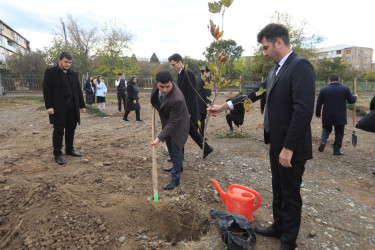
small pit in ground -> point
(180, 222)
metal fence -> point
(17, 83)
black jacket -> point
(204, 93)
(188, 90)
(121, 87)
(333, 98)
(290, 102)
(132, 94)
(53, 91)
(372, 103)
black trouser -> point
(65, 120)
(233, 118)
(339, 136)
(203, 124)
(287, 201)
(121, 98)
(196, 136)
(137, 114)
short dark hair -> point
(65, 55)
(273, 31)
(164, 76)
(120, 74)
(334, 77)
(175, 57)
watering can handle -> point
(256, 206)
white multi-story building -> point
(359, 58)
(11, 43)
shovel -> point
(154, 163)
(354, 137)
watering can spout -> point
(222, 194)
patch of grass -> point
(358, 110)
(32, 99)
(95, 111)
(233, 134)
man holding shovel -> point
(169, 101)
(333, 98)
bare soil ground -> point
(100, 201)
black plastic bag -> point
(235, 230)
(367, 123)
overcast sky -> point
(169, 26)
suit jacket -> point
(174, 115)
(290, 105)
(204, 93)
(122, 86)
(333, 98)
(53, 91)
(189, 93)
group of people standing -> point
(127, 94)
(289, 107)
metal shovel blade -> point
(354, 139)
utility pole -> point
(63, 26)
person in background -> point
(101, 91)
(64, 101)
(204, 93)
(186, 83)
(90, 90)
(169, 101)
(290, 98)
(236, 116)
(120, 83)
(333, 98)
(132, 100)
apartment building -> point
(359, 58)
(11, 43)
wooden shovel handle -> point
(154, 163)
(354, 108)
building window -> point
(357, 66)
(364, 66)
(359, 52)
(366, 51)
(338, 52)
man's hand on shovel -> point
(155, 142)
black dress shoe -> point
(208, 151)
(338, 153)
(268, 232)
(172, 185)
(170, 169)
(73, 153)
(59, 160)
(321, 147)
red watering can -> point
(239, 199)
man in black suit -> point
(290, 99)
(333, 98)
(63, 100)
(168, 100)
(203, 103)
(186, 83)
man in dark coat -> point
(333, 98)
(186, 83)
(168, 100)
(121, 90)
(290, 100)
(63, 100)
(203, 102)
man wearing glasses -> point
(187, 84)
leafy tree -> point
(154, 59)
(34, 62)
(299, 41)
(326, 66)
(370, 75)
(227, 47)
(194, 64)
(115, 39)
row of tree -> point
(103, 53)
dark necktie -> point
(269, 84)
(161, 99)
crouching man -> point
(169, 101)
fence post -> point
(366, 87)
(1, 87)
